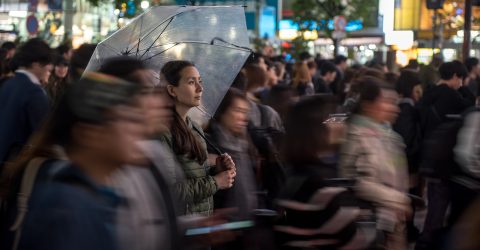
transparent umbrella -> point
(215, 38)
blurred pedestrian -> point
(472, 81)
(328, 72)
(11, 48)
(23, 103)
(66, 51)
(302, 79)
(79, 61)
(308, 205)
(70, 204)
(57, 83)
(373, 156)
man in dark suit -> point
(328, 72)
(23, 102)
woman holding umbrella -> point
(186, 139)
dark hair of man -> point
(327, 67)
(183, 140)
(340, 59)
(79, 60)
(311, 65)
(454, 68)
(64, 48)
(470, 63)
(306, 132)
(304, 56)
(406, 82)
(9, 46)
(254, 58)
(33, 51)
(122, 67)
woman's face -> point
(61, 71)
(189, 90)
(235, 119)
(384, 108)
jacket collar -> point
(30, 76)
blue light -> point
(352, 25)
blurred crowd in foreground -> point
(316, 154)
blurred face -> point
(330, 76)
(384, 109)
(456, 82)
(10, 54)
(417, 93)
(42, 72)
(477, 70)
(188, 93)
(235, 118)
(262, 64)
(121, 134)
(343, 66)
(156, 106)
(272, 77)
(61, 71)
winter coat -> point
(374, 156)
(198, 188)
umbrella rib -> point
(161, 52)
(138, 44)
(158, 37)
(197, 42)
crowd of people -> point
(312, 154)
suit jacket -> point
(23, 107)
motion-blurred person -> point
(23, 103)
(280, 98)
(429, 74)
(472, 81)
(338, 85)
(57, 83)
(413, 65)
(228, 130)
(328, 72)
(5, 73)
(68, 204)
(302, 79)
(186, 140)
(79, 61)
(407, 125)
(11, 48)
(257, 59)
(373, 156)
(313, 214)
(260, 115)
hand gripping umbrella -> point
(214, 38)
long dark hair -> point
(183, 140)
(306, 132)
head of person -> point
(184, 86)
(305, 56)
(257, 59)
(453, 73)
(10, 47)
(409, 85)
(66, 51)
(280, 69)
(79, 60)
(38, 63)
(308, 136)
(341, 62)
(377, 100)
(312, 68)
(413, 65)
(60, 68)
(473, 66)
(373, 72)
(301, 74)
(232, 113)
(257, 77)
(280, 98)
(328, 71)
(153, 100)
(272, 74)
(97, 119)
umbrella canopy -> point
(214, 38)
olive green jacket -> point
(198, 188)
